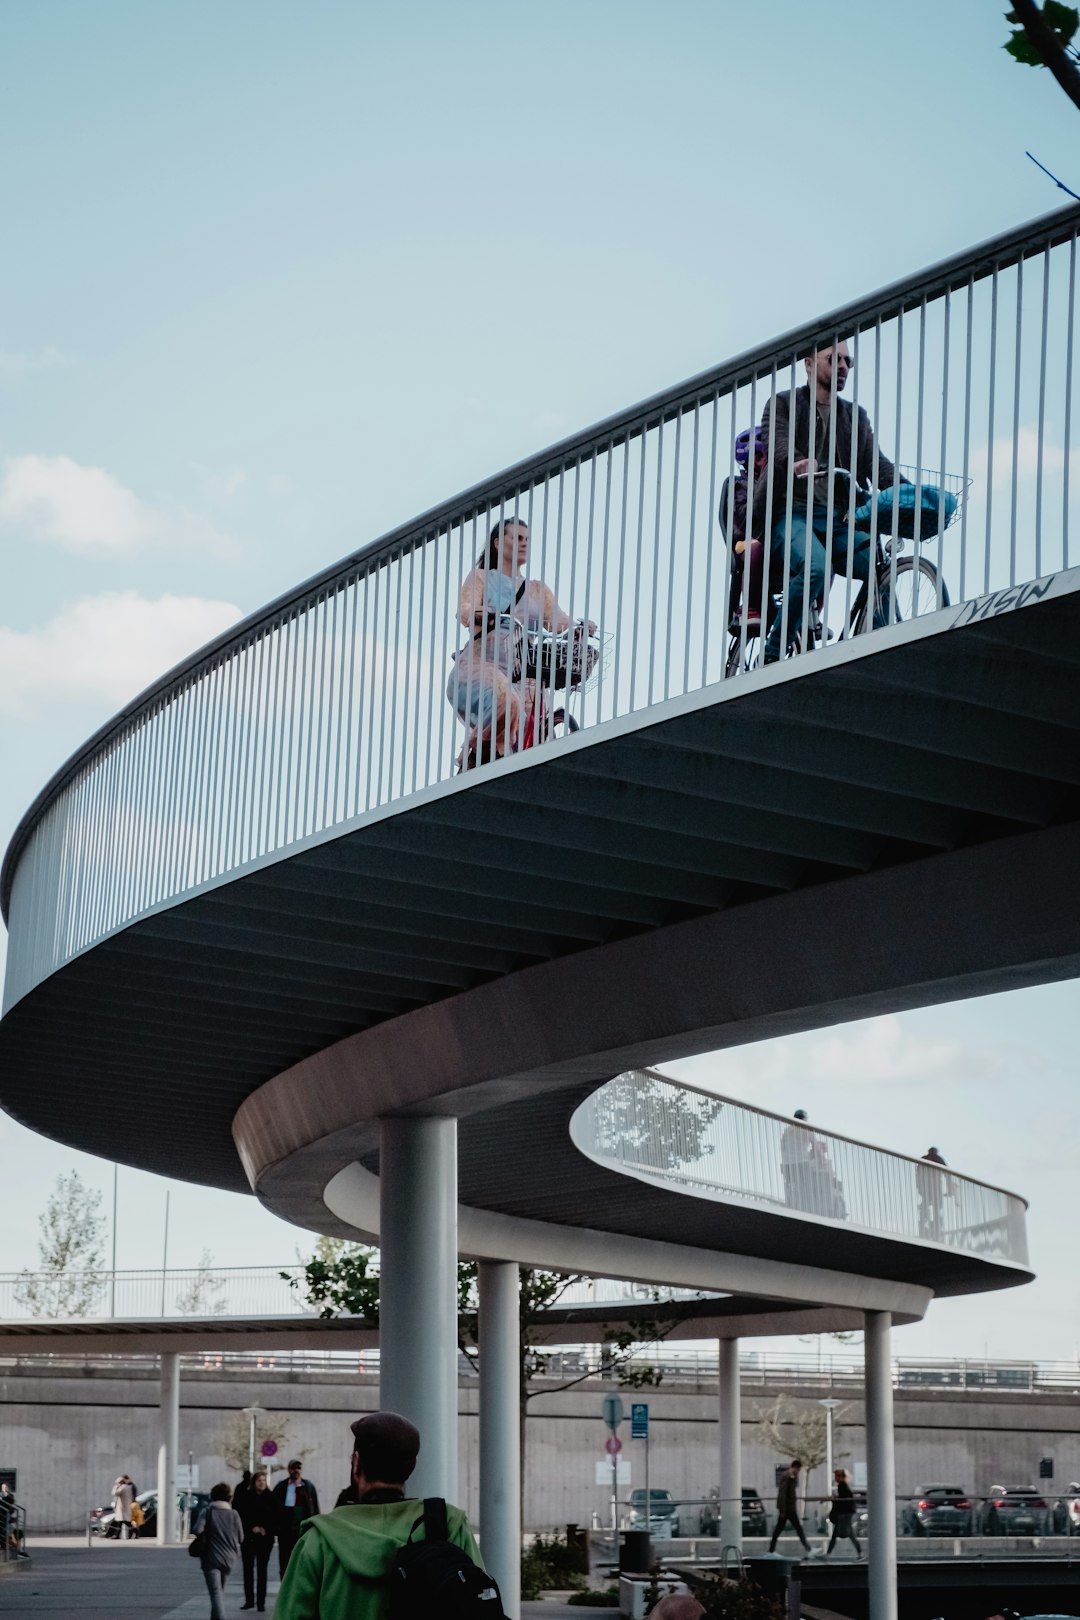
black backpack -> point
(434, 1580)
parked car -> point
(661, 1518)
(109, 1526)
(1014, 1511)
(937, 1510)
(97, 1515)
(1067, 1511)
(754, 1522)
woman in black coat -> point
(258, 1510)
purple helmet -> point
(742, 445)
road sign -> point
(187, 1476)
(613, 1446)
(268, 1448)
(639, 1420)
(622, 1471)
(612, 1409)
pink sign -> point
(269, 1448)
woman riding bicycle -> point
(486, 687)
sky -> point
(278, 278)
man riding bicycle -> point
(822, 419)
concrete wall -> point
(69, 1432)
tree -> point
(796, 1431)
(643, 1119)
(342, 1279)
(70, 1253)
(202, 1296)
(1043, 37)
(233, 1441)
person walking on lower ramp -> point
(787, 1506)
(388, 1553)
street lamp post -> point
(830, 1406)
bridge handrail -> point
(660, 1130)
(973, 264)
(91, 861)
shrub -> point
(551, 1563)
(594, 1599)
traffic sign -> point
(268, 1448)
(639, 1420)
(613, 1445)
(612, 1409)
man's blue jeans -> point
(809, 567)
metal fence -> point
(331, 704)
(646, 1125)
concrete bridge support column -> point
(418, 1303)
(500, 1428)
(168, 1450)
(730, 1414)
(880, 1467)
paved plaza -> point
(136, 1580)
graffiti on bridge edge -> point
(1004, 601)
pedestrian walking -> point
(258, 1512)
(222, 1532)
(842, 1514)
(123, 1496)
(787, 1505)
(295, 1500)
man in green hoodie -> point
(339, 1568)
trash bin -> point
(772, 1572)
(635, 1552)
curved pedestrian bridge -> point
(264, 898)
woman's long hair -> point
(489, 557)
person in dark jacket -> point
(258, 1511)
(295, 1499)
(787, 1506)
(219, 1524)
(842, 1514)
(825, 434)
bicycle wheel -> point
(917, 591)
(751, 652)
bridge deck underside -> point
(850, 765)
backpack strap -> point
(436, 1525)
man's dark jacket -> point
(787, 1496)
(307, 1504)
(793, 449)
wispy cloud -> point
(86, 509)
(103, 649)
(45, 359)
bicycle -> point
(909, 586)
(567, 660)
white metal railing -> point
(330, 704)
(208, 1291)
(197, 1291)
(646, 1125)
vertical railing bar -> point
(449, 616)
(408, 662)
(191, 837)
(919, 419)
(671, 553)
(428, 643)
(875, 474)
(352, 708)
(372, 640)
(655, 583)
(894, 546)
(206, 808)
(609, 463)
(990, 428)
(637, 572)
(766, 559)
(710, 543)
(725, 588)
(830, 498)
(789, 518)
(276, 753)
(1068, 403)
(453, 608)
(1042, 412)
(228, 773)
(314, 617)
(1017, 362)
(292, 667)
(476, 670)
(689, 624)
(967, 437)
(586, 597)
(303, 731)
(945, 380)
(144, 873)
(557, 577)
(744, 606)
(619, 638)
(165, 798)
(324, 718)
(254, 710)
(343, 727)
(853, 479)
(398, 564)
